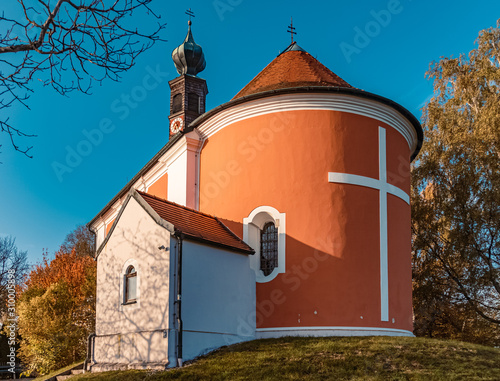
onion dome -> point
(188, 57)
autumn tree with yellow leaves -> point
(456, 199)
(57, 307)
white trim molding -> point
(187, 149)
(384, 189)
(264, 333)
(319, 101)
(252, 225)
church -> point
(283, 212)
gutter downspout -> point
(95, 238)
(90, 352)
(178, 301)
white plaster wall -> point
(177, 179)
(133, 333)
(218, 298)
(99, 236)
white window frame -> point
(252, 226)
(137, 304)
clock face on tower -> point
(176, 125)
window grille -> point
(268, 248)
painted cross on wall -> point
(384, 189)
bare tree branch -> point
(69, 45)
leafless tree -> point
(68, 45)
(13, 267)
(81, 240)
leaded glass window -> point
(268, 248)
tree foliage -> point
(57, 310)
(68, 44)
(456, 198)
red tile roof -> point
(294, 68)
(196, 225)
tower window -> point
(268, 248)
(130, 285)
(177, 103)
(193, 102)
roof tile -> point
(292, 68)
(196, 225)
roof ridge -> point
(174, 203)
(214, 230)
(231, 232)
(323, 68)
(255, 78)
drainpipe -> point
(90, 345)
(95, 239)
(178, 301)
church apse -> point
(283, 160)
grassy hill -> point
(354, 358)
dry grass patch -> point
(353, 358)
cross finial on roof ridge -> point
(291, 29)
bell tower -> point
(187, 92)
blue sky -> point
(239, 38)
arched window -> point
(268, 248)
(177, 103)
(265, 231)
(130, 285)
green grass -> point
(355, 358)
(56, 372)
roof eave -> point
(321, 89)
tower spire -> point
(187, 92)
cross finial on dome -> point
(291, 29)
(190, 13)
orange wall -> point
(108, 226)
(160, 187)
(332, 247)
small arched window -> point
(177, 103)
(268, 248)
(130, 285)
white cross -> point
(384, 188)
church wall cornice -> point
(314, 98)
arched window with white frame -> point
(264, 231)
(130, 295)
